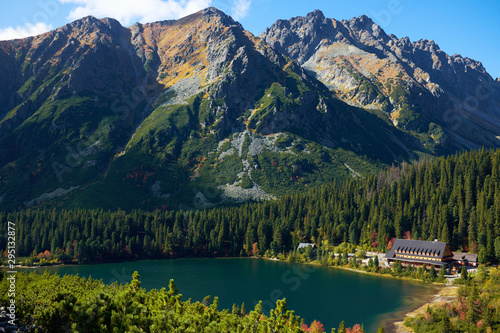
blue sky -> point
(465, 27)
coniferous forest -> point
(454, 199)
(112, 130)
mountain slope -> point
(235, 121)
(188, 113)
(448, 102)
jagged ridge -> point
(189, 113)
(417, 86)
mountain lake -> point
(315, 293)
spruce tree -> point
(463, 274)
(432, 273)
(497, 248)
(441, 277)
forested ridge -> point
(454, 199)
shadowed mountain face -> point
(449, 102)
(197, 112)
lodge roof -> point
(304, 245)
(419, 251)
(470, 257)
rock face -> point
(195, 112)
(445, 99)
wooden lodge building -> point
(421, 253)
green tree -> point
(308, 252)
(463, 274)
(345, 258)
(446, 325)
(432, 273)
(341, 327)
(445, 233)
(497, 248)
(376, 264)
(275, 248)
(441, 273)
(206, 300)
(397, 268)
(135, 284)
(473, 306)
(243, 309)
(480, 276)
(483, 256)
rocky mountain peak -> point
(213, 11)
(315, 15)
(364, 66)
(214, 14)
(211, 16)
(361, 22)
(427, 45)
(90, 24)
(367, 31)
(199, 102)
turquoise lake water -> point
(314, 292)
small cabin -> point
(304, 245)
(465, 259)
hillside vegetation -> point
(50, 303)
(453, 199)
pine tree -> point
(432, 273)
(445, 234)
(497, 248)
(463, 274)
(243, 310)
(235, 310)
(441, 277)
(397, 268)
(341, 327)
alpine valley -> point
(198, 112)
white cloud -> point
(128, 12)
(240, 9)
(24, 31)
(131, 11)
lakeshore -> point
(392, 322)
(395, 322)
(239, 280)
(447, 294)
